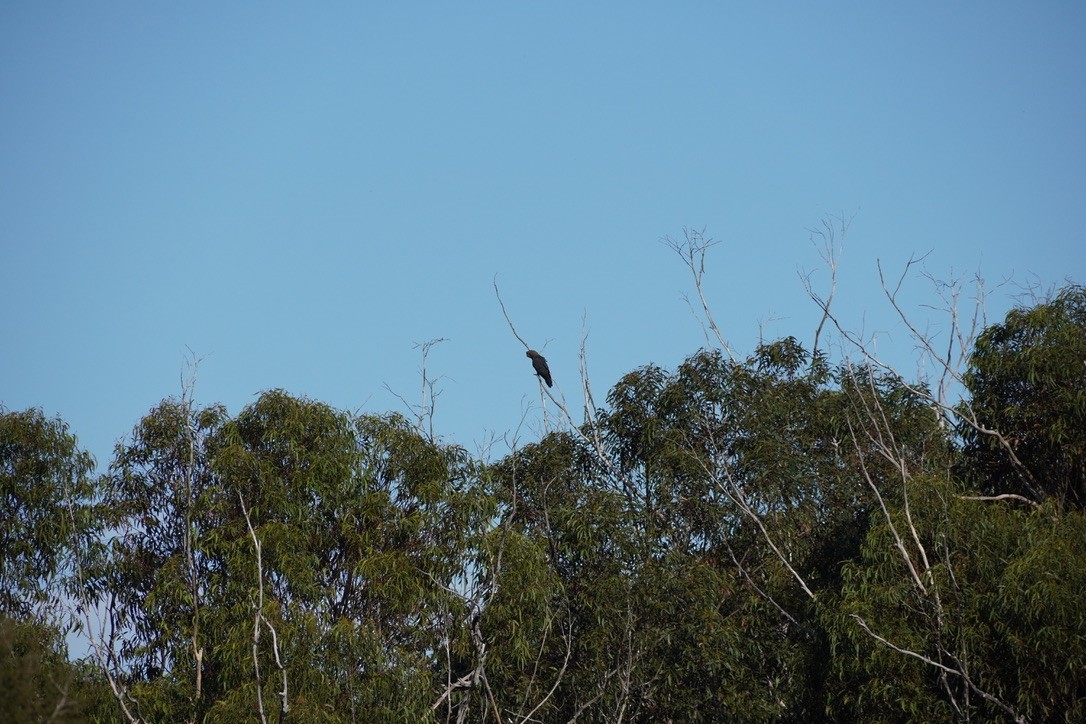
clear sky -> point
(299, 193)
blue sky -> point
(300, 193)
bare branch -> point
(258, 619)
(735, 493)
(188, 386)
(898, 542)
(557, 679)
(512, 327)
(258, 606)
(692, 250)
(830, 252)
(963, 412)
(942, 667)
(283, 704)
(1004, 496)
(423, 412)
(757, 589)
(592, 438)
(950, 364)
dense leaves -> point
(1028, 383)
(38, 682)
(772, 538)
(360, 523)
(46, 510)
(1005, 598)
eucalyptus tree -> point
(1027, 392)
(363, 523)
(681, 547)
(49, 527)
(294, 560)
(48, 513)
(153, 586)
(966, 602)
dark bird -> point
(540, 366)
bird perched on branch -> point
(540, 366)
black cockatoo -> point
(540, 366)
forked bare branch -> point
(260, 619)
(950, 364)
(423, 412)
(830, 247)
(692, 250)
(960, 672)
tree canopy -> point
(772, 537)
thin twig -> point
(693, 250)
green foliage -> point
(645, 547)
(37, 681)
(362, 526)
(762, 539)
(1037, 630)
(1004, 597)
(158, 496)
(1027, 380)
(46, 511)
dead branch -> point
(1003, 496)
(830, 252)
(258, 606)
(592, 437)
(944, 668)
(568, 636)
(899, 543)
(693, 250)
(423, 412)
(188, 386)
(260, 619)
(950, 364)
(732, 489)
(505, 314)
